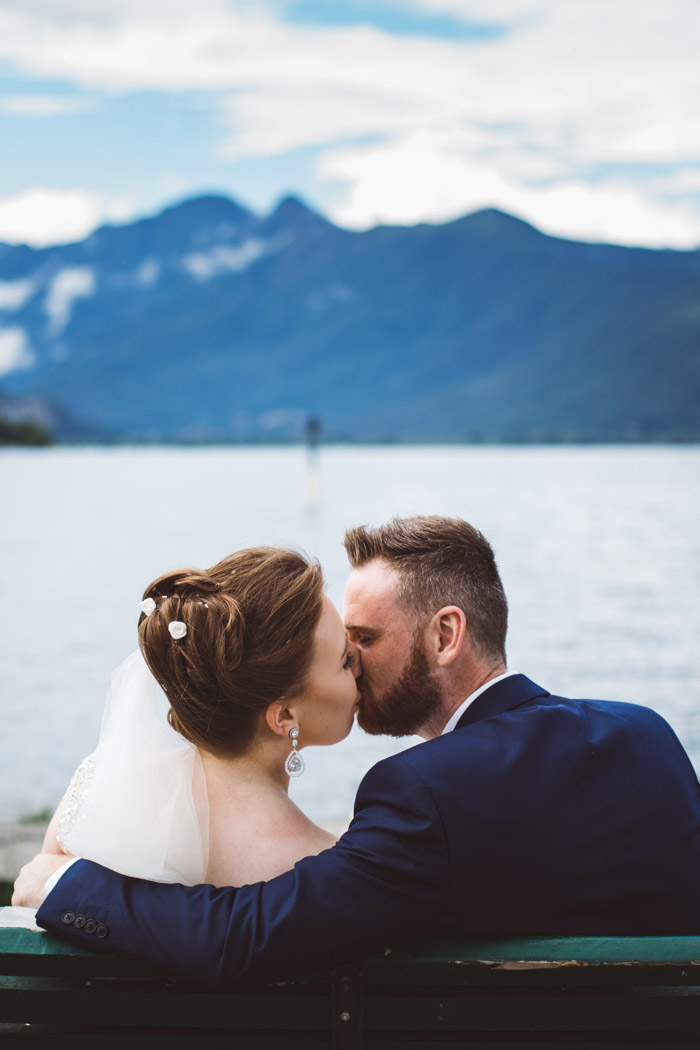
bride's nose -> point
(357, 663)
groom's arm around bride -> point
(522, 812)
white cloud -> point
(267, 121)
(145, 45)
(582, 59)
(392, 183)
(44, 106)
(614, 211)
(108, 12)
(15, 351)
(65, 288)
(471, 11)
(686, 180)
(41, 216)
(14, 294)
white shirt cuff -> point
(52, 881)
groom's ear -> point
(279, 718)
(446, 634)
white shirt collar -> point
(454, 718)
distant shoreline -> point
(534, 442)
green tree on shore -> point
(23, 432)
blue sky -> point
(577, 115)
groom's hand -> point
(29, 887)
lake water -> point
(599, 550)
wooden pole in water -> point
(312, 485)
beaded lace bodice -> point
(74, 798)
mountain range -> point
(210, 323)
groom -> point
(521, 813)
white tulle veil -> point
(139, 804)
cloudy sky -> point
(580, 116)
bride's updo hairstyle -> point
(250, 623)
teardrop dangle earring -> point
(295, 765)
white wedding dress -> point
(138, 804)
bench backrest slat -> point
(575, 992)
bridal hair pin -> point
(147, 606)
(177, 629)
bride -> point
(239, 667)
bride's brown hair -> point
(250, 623)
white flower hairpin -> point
(177, 629)
(147, 606)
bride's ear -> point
(279, 717)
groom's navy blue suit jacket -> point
(537, 815)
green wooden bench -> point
(550, 993)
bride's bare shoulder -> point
(259, 846)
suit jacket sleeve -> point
(385, 880)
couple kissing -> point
(521, 812)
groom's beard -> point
(407, 705)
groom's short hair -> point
(440, 561)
